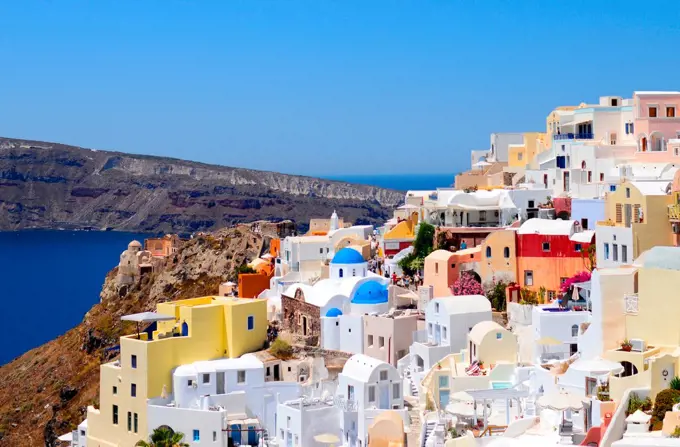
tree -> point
(245, 268)
(577, 278)
(422, 246)
(467, 285)
(163, 436)
(495, 292)
(281, 349)
(590, 257)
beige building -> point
(491, 343)
(498, 259)
(388, 337)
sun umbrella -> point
(462, 396)
(327, 438)
(560, 402)
(597, 366)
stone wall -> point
(293, 310)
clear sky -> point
(319, 86)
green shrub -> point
(453, 433)
(281, 349)
(676, 432)
(636, 403)
(675, 383)
(664, 402)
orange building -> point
(250, 285)
(549, 252)
(275, 247)
(162, 246)
(442, 268)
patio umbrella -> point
(561, 401)
(462, 396)
(327, 438)
(597, 366)
(466, 410)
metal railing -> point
(345, 404)
(574, 136)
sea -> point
(50, 279)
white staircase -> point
(411, 381)
(264, 439)
(429, 428)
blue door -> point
(443, 398)
(236, 434)
(185, 329)
(252, 436)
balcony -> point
(674, 212)
(574, 136)
(420, 336)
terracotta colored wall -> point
(439, 274)
(549, 270)
(275, 247)
(562, 204)
(250, 285)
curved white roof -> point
(547, 227)
(326, 289)
(361, 367)
(290, 291)
(653, 188)
(482, 328)
(464, 304)
(497, 198)
(247, 361)
(666, 258)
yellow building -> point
(401, 236)
(651, 324)
(498, 257)
(636, 219)
(187, 331)
(490, 343)
(521, 155)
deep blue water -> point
(49, 280)
(400, 182)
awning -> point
(597, 366)
(560, 402)
(147, 317)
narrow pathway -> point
(413, 437)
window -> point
(532, 203)
(444, 332)
(632, 127)
(133, 361)
(251, 322)
(370, 341)
(602, 176)
(383, 375)
(436, 308)
(396, 390)
(354, 272)
(214, 436)
(551, 294)
(627, 128)
(591, 386)
(133, 389)
(584, 223)
(619, 213)
(624, 253)
(670, 112)
(381, 342)
(519, 156)
(546, 246)
(488, 252)
(206, 378)
(136, 426)
(321, 250)
(129, 419)
(615, 102)
(499, 335)
(652, 111)
(443, 381)
(528, 277)
(340, 273)
(241, 377)
(197, 435)
(482, 215)
(627, 193)
(371, 394)
(606, 250)
(590, 176)
(190, 383)
(506, 252)
(453, 266)
(612, 188)
(436, 268)
(615, 252)
(429, 328)
(578, 248)
(115, 415)
(115, 390)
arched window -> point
(574, 330)
(506, 252)
(340, 273)
(583, 164)
(354, 272)
(628, 369)
(488, 252)
(185, 329)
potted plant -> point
(626, 345)
(439, 366)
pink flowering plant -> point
(466, 284)
(577, 278)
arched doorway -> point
(643, 144)
(185, 329)
(656, 142)
(628, 369)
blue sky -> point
(319, 87)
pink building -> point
(388, 337)
(442, 268)
(657, 120)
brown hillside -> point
(46, 391)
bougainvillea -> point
(579, 277)
(466, 284)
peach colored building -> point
(388, 337)
(657, 119)
(162, 246)
(442, 268)
(498, 261)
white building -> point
(298, 421)
(448, 321)
(562, 325)
(215, 400)
(499, 144)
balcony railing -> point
(674, 212)
(574, 136)
(606, 223)
(345, 404)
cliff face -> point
(45, 392)
(49, 185)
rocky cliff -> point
(49, 185)
(45, 392)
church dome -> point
(135, 244)
(347, 256)
(333, 312)
(370, 292)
